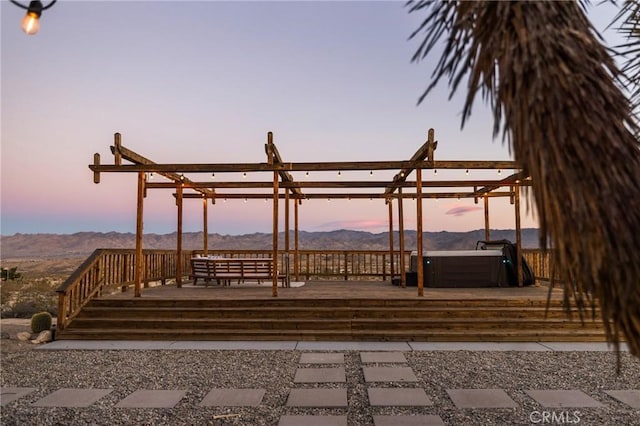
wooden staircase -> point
(330, 319)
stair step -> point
(259, 334)
(321, 312)
(330, 319)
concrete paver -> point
(353, 346)
(8, 394)
(328, 346)
(398, 397)
(389, 374)
(583, 346)
(481, 398)
(230, 397)
(478, 346)
(420, 420)
(382, 357)
(320, 375)
(629, 397)
(68, 397)
(321, 358)
(313, 421)
(563, 398)
(325, 398)
(145, 398)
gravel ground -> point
(197, 372)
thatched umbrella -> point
(552, 87)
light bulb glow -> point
(31, 23)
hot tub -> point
(462, 268)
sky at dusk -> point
(204, 82)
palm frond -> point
(551, 83)
(628, 21)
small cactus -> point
(41, 322)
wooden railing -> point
(540, 263)
(106, 270)
(109, 270)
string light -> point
(499, 171)
(467, 172)
(307, 174)
(244, 175)
(435, 171)
(371, 173)
(213, 175)
(339, 173)
(31, 21)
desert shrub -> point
(9, 273)
(41, 322)
(23, 298)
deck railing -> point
(109, 270)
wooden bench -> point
(224, 270)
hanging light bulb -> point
(150, 175)
(339, 173)
(467, 172)
(371, 173)
(307, 174)
(213, 175)
(244, 175)
(31, 21)
(499, 171)
(435, 171)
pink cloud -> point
(462, 210)
(363, 225)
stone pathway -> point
(320, 382)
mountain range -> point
(81, 244)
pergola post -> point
(403, 275)
(139, 230)
(296, 254)
(487, 235)
(179, 203)
(419, 231)
(276, 191)
(516, 189)
(205, 227)
(286, 228)
(391, 236)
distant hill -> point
(81, 244)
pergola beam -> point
(300, 167)
(310, 196)
(335, 184)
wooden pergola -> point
(284, 186)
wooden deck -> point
(331, 310)
(381, 290)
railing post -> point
(62, 311)
(164, 269)
(346, 267)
